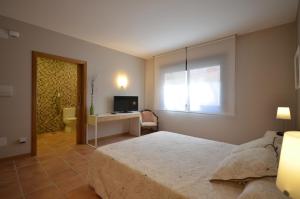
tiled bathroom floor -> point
(58, 171)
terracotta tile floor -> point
(58, 171)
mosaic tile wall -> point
(56, 89)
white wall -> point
(264, 80)
(15, 70)
(149, 84)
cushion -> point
(247, 165)
(261, 189)
(277, 141)
(147, 116)
(149, 124)
(267, 139)
(270, 134)
(260, 142)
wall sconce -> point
(122, 81)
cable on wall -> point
(186, 59)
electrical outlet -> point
(3, 141)
(22, 140)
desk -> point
(133, 118)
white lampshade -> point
(283, 113)
(288, 177)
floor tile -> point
(50, 192)
(59, 170)
(55, 166)
(31, 171)
(62, 176)
(75, 160)
(42, 158)
(6, 165)
(44, 150)
(10, 190)
(83, 192)
(26, 161)
(80, 168)
(66, 155)
(70, 184)
(8, 177)
(35, 183)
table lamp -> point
(288, 177)
(283, 113)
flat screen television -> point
(125, 104)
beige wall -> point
(149, 84)
(264, 80)
(15, 70)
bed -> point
(160, 165)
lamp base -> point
(286, 193)
(280, 133)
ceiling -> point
(145, 28)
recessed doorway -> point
(58, 102)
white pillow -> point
(260, 142)
(277, 140)
(262, 189)
(247, 165)
(270, 134)
(267, 139)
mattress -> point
(160, 165)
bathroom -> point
(57, 99)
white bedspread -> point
(160, 165)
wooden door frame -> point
(81, 96)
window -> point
(174, 91)
(202, 93)
(205, 89)
(198, 79)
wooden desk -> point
(96, 120)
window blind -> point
(171, 81)
(205, 85)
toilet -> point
(69, 119)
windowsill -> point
(202, 114)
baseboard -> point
(24, 155)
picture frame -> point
(297, 68)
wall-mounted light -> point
(122, 81)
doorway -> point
(58, 102)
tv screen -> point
(125, 104)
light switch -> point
(6, 91)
